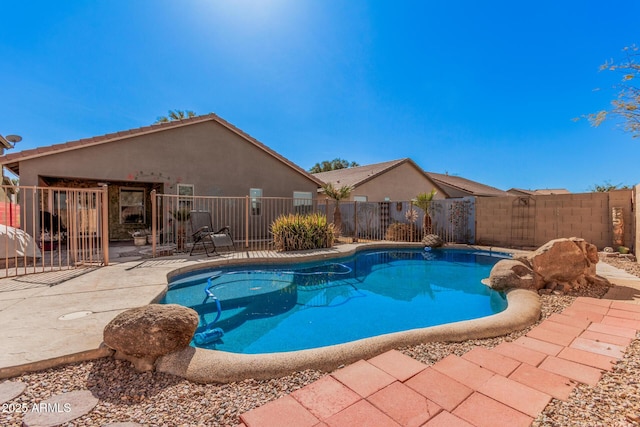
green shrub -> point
(400, 232)
(298, 232)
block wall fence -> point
(636, 198)
(531, 221)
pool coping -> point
(212, 366)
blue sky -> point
(484, 90)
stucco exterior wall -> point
(212, 158)
(207, 155)
(404, 182)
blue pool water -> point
(274, 308)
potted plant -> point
(49, 242)
(139, 237)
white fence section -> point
(454, 219)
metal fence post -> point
(355, 222)
(154, 222)
(105, 224)
(246, 223)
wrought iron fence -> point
(249, 219)
(50, 229)
(454, 219)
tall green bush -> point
(298, 232)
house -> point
(199, 156)
(395, 180)
(457, 186)
(539, 192)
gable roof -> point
(359, 175)
(539, 192)
(466, 185)
(12, 160)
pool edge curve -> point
(212, 366)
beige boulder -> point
(564, 264)
(511, 273)
(432, 241)
(142, 334)
(563, 261)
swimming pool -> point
(253, 309)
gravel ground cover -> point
(157, 399)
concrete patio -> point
(58, 317)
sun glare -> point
(250, 15)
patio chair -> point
(202, 233)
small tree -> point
(326, 165)
(176, 115)
(423, 201)
(606, 187)
(337, 194)
(627, 104)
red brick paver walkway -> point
(508, 385)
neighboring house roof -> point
(355, 176)
(539, 192)
(12, 160)
(464, 185)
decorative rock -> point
(511, 273)
(60, 409)
(151, 331)
(142, 364)
(432, 241)
(563, 261)
(559, 265)
(9, 390)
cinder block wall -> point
(493, 220)
(532, 221)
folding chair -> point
(201, 227)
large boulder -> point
(563, 261)
(563, 264)
(143, 334)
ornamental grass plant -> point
(296, 232)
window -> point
(255, 194)
(186, 192)
(302, 201)
(132, 206)
(359, 198)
